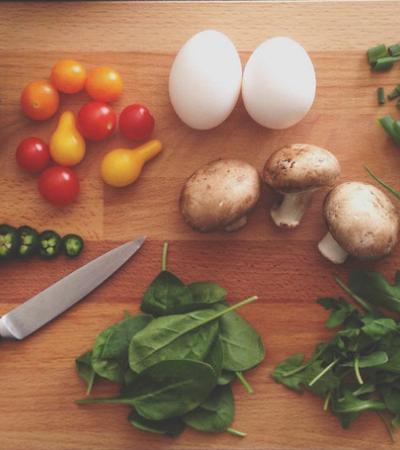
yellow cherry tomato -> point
(67, 146)
(68, 76)
(122, 166)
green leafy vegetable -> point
(166, 389)
(215, 414)
(110, 352)
(226, 377)
(358, 368)
(215, 357)
(171, 427)
(85, 370)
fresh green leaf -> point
(129, 377)
(350, 403)
(376, 328)
(166, 295)
(110, 352)
(290, 372)
(171, 427)
(215, 414)
(179, 336)
(206, 293)
(391, 397)
(242, 346)
(327, 383)
(215, 357)
(374, 288)
(165, 390)
(85, 370)
(226, 377)
(341, 311)
(372, 360)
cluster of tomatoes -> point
(95, 121)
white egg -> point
(205, 80)
(279, 83)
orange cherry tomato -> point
(68, 76)
(39, 100)
(104, 84)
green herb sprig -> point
(358, 369)
(175, 363)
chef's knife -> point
(48, 304)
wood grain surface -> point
(37, 376)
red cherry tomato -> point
(33, 154)
(59, 185)
(136, 122)
(96, 121)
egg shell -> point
(279, 83)
(205, 80)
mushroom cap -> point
(300, 167)
(362, 219)
(219, 193)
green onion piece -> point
(387, 124)
(396, 127)
(394, 50)
(398, 104)
(385, 63)
(395, 93)
(381, 95)
(375, 53)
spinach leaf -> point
(85, 370)
(110, 352)
(214, 357)
(206, 293)
(166, 389)
(350, 403)
(374, 288)
(180, 336)
(215, 414)
(166, 295)
(242, 346)
(226, 377)
(171, 427)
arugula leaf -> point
(165, 390)
(350, 403)
(110, 352)
(372, 360)
(289, 372)
(215, 414)
(85, 370)
(374, 288)
(341, 311)
(376, 328)
(171, 427)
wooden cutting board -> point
(37, 376)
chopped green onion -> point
(398, 104)
(394, 50)
(377, 52)
(381, 95)
(396, 126)
(395, 93)
(385, 63)
(387, 124)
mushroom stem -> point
(332, 250)
(240, 223)
(290, 211)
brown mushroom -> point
(362, 222)
(219, 195)
(296, 171)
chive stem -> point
(357, 298)
(323, 372)
(387, 124)
(383, 184)
(236, 432)
(394, 50)
(164, 257)
(385, 63)
(394, 94)
(374, 53)
(245, 383)
(327, 400)
(380, 92)
(357, 371)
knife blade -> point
(53, 301)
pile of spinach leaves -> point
(175, 362)
(358, 369)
